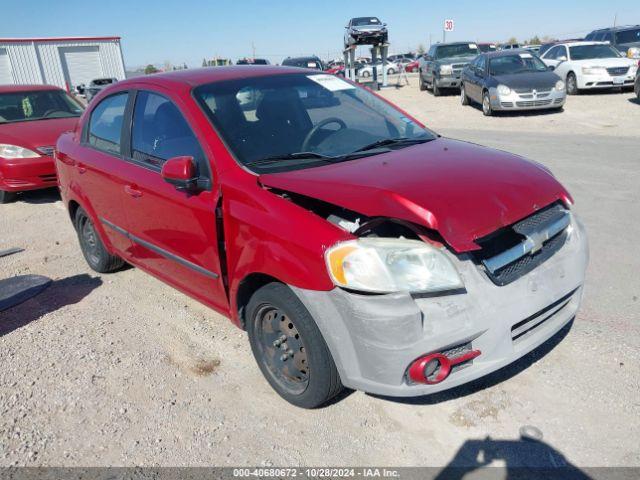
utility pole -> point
(615, 20)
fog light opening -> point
(436, 367)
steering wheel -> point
(314, 130)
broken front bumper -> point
(375, 338)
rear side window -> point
(105, 126)
(160, 132)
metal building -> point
(64, 62)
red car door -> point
(95, 163)
(173, 231)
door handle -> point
(133, 191)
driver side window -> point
(160, 132)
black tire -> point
(92, 247)
(487, 111)
(7, 197)
(391, 71)
(310, 379)
(572, 84)
(365, 74)
(435, 89)
(464, 100)
(421, 84)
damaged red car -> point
(356, 247)
(32, 117)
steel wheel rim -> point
(485, 105)
(571, 81)
(282, 349)
(90, 240)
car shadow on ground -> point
(523, 458)
(635, 100)
(488, 381)
(67, 291)
(37, 197)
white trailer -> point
(64, 62)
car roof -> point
(615, 29)
(26, 88)
(454, 43)
(506, 53)
(581, 42)
(201, 76)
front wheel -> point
(365, 74)
(7, 197)
(289, 348)
(435, 89)
(486, 105)
(572, 84)
(92, 247)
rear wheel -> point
(486, 105)
(92, 247)
(365, 74)
(289, 348)
(7, 197)
(572, 84)
(464, 100)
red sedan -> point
(412, 67)
(356, 247)
(32, 117)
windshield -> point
(587, 52)
(487, 48)
(361, 22)
(459, 50)
(512, 64)
(301, 115)
(37, 105)
(628, 36)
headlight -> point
(633, 52)
(446, 69)
(14, 151)
(385, 265)
(560, 85)
(504, 90)
(594, 70)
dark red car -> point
(32, 117)
(413, 66)
(356, 247)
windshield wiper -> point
(292, 156)
(389, 142)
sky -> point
(186, 31)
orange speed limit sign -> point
(448, 25)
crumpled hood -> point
(461, 190)
(36, 133)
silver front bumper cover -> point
(374, 338)
(516, 101)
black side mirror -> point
(551, 68)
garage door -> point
(5, 68)
(80, 65)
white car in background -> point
(367, 71)
(590, 65)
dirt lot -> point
(121, 370)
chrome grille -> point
(514, 251)
(48, 151)
(616, 71)
(533, 103)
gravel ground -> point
(123, 370)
